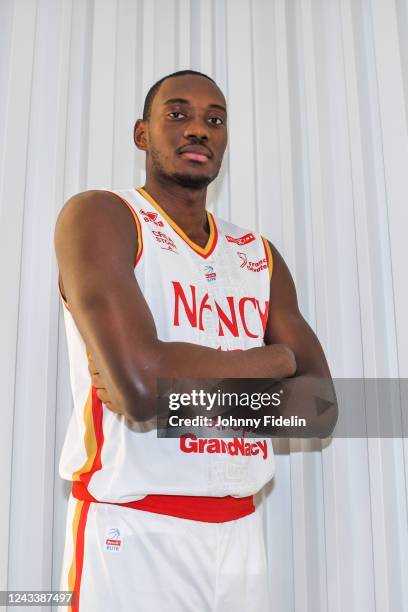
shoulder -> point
(280, 265)
(102, 202)
(283, 288)
(96, 220)
(97, 210)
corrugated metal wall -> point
(318, 161)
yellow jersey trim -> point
(90, 442)
(269, 257)
(204, 251)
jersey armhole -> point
(268, 254)
(139, 243)
(63, 298)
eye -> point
(216, 120)
(176, 113)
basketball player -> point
(154, 286)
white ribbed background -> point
(318, 161)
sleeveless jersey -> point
(216, 296)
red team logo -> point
(245, 239)
(151, 216)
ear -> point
(141, 134)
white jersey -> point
(216, 296)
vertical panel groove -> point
(371, 26)
(254, 121)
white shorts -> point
(120, 559)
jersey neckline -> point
(212, 239)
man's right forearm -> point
(184, 361)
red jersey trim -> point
(196, 508)
(93, 438)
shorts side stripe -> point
(75, 572)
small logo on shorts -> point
(113, 543)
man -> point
(155, 287)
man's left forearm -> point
(310, 398)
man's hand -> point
(97, 382)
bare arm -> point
(96, 244)
(312, 380)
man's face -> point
(186, 135)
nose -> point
(196, 128)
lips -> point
(195, 153)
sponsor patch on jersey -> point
(210, 274)
(189, 443)
(253, 266)
(151, 216)
(113, 543)
(165, 241)
(245, 239)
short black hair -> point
(155, 88)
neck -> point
(185, 206)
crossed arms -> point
(96, 243)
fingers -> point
(97, 382)
(102, 394)
(95, 376)
(91, 366)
